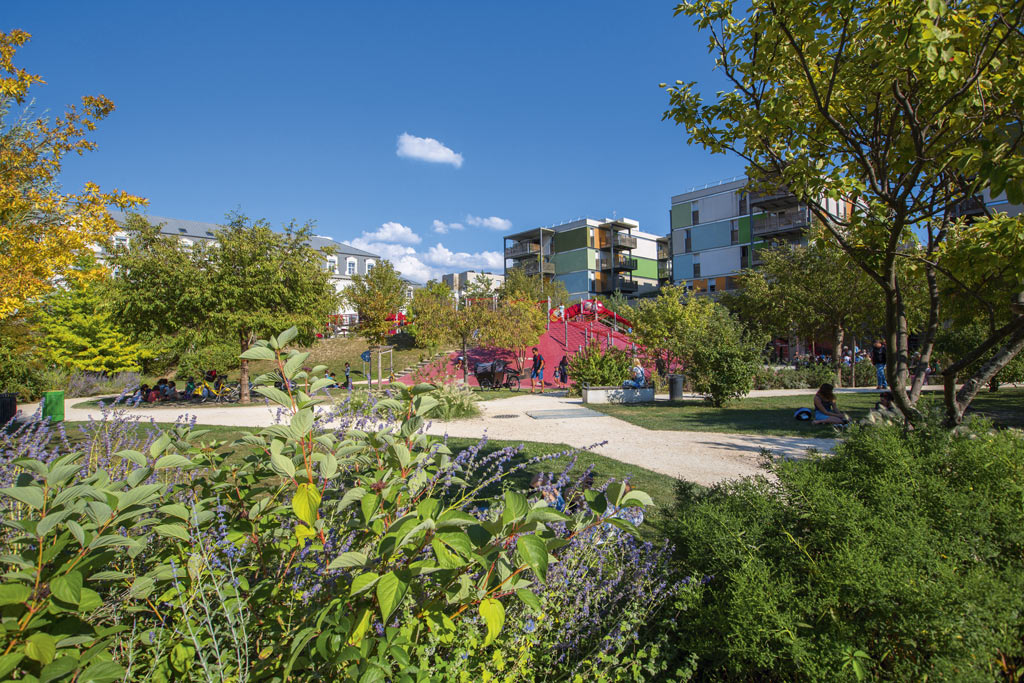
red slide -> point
(587, 308)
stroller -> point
(496, 374)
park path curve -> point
(702, 457)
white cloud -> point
(393, 232)
(492, 222)
(439, 255)
(427, 149)
(442, 228)
(404, 258)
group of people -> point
(167, 390)
(826, 408)
(537, 371)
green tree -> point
(481, 287)
(881, 117)
(471, 322)
(81, 331)
(519, 285)
(430, 311)
(719, 355)
(245, 284)
(376, 296)
(518, 326)
(813, 290)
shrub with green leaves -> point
(898, 558)
(600, 368)
(336, 544)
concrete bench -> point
(617, 395)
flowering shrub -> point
(340, 543)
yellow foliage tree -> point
(42, 230)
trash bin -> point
(675, 387)
(53, 405)
(8, 408)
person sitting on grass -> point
(153, 395)
(190, 388)
(141, 394)
(549, 492)
(884, 410)
(826, 410)
(171, 393)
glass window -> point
(696, 217)
(369, 266)
(350, 267)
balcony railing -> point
(623, 241)
(791, 221)
(539, 268)
(522, 249)
(774, 201)
(664, 253)
(619, 263)
(664, 272)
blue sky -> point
(422, 131)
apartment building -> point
(457, 282)
(717, 230)
(342, 264)
(591, 256)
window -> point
(408, 293)
(121, 241)
(734, 234)
(696, 217)
(687, 247)
(332, 264)
(711, 285)
(743, 203)
(696, 270)
(350, 267)
(369, 266)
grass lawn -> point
(773, 415)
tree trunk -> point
(837, 355)
(897, 354)
(928, 340)
(243, 370)
(957, 402)
(465, 360)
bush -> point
(896, 559)
(610, 367)
(723, 367)
(455, 400)
(20, 375)
(221, 357)
(78, 384)
(332, 546)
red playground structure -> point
(588, 309)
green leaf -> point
(102, 672)
(360, 630)
(306, 502)
(133, 456)
(613, 494)
(67, 588)
(172, 460)
(175, 510)
(258, 353)
(302, 532)
(276, 395)
(41, 647)
(363, 582)
(283, 466)
(493, 613)
(139, 495)
(29, 495)
(596, 501)
(634, 498)
(9, 661)
(14, 593)
(516, 507)
(624, 525)
(160, 445)
(90, 601)
(287, 336)
(294, 362)
(390, 591)
(142, 587)
(173, 531)
(302, 422)
(328, 466)
(58, 668)
(76, 530)
(349, 559)
(532, 551)
(445, 557)
(530, 599)
(369, 505)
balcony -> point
(664, 271)
(608, 285)
(521, 249)
(968, 208)
(774, 201)
(620, 241)
(618, 264)
(538, 268)
(664, 253)
(775, 224)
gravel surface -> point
(702, 457)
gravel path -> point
(702, 457)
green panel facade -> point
(569, 240)
(744, 229)
(681, 215)
(646, 267)
(570, 261)
(592, 259)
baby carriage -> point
(497, 374)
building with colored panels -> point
(717, 231)
(591, 256)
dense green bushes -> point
(607, 368)
(897, 559)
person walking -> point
(563, 371)
(348, 376)
(537, 373)
(878, 359)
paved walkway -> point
(702, 457)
